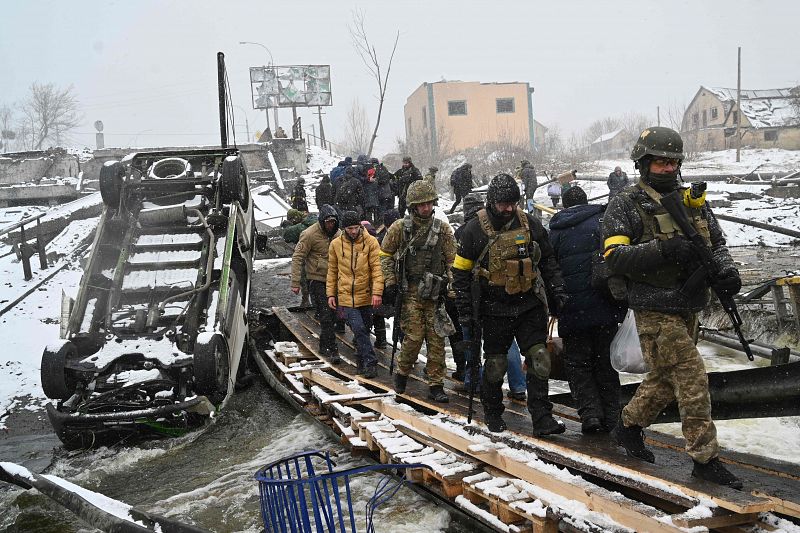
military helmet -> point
(502, 188)
(420, 192)
(433, 170)
(524, 163)
(657, 141)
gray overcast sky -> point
(147, 69)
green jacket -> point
(292, 233)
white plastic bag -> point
(626, 352)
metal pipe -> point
(223, 123)
(763, 392)
(760, 225)
(760, 349)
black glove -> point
(679, 249)
(559, 298)
(728, 282)
(390, 295)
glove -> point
(559, 300)
(679, 249)
(390, 295)
(728, 282)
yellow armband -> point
(462, 263)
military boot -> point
(495, 423)
(591, 425)
(371, 372)
(715, 472)
(458, 375)
(632, 439)
(400, 382)
(436, 393)
(380, 339)
(547, 425)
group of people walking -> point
(502, 277)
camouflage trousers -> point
(676, 373)
(416, 319)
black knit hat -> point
(350, 218)
(574, 196)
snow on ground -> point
(759, 160)
(31, 325)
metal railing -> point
(325, 144)
(25, 251)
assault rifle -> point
(397, 332)
(673, 203)
(472, 339)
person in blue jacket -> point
(590, 317)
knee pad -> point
(538, 360)
(494, 369)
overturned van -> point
(155, 338)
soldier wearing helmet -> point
(416, 255)
(642, 244)
(520, 284)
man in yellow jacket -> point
(355, 285)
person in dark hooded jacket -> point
(461, 181)
(350, 196)
(589, 319)
(324, 193)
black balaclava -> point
(663, 183)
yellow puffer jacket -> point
(354, 270)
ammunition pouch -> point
(431, 286)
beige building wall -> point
(705, 120)
(431, 104)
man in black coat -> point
(324, 193)
(350, 194)
(405, 176)
(590, 317)
(461, 181)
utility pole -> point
(738, 104)
(321, 129)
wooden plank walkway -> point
(589, 470)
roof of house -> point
(608, 136)
(764, 108)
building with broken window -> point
(770, 118)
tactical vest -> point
(660, 225)
(423, 252)
(513, 255)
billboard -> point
(291, 86)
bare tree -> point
(7, 130)
(356, 131)
(422, 150)
(635, 123)
(368, 54)
(49, 112)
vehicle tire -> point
(231, 182)
(170, 168)
(111, 176)
(58, 382)
(211, 366)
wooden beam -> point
(623, 510)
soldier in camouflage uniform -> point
(416, 255)
(643, 244)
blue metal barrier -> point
(297, 499)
